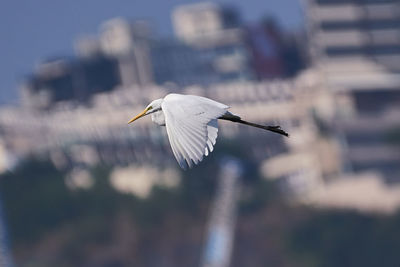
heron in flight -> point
(191, 123)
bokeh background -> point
(79, 187)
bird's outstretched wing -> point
(192, 127)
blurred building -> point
(236, 51)
(212, 46)
(69, 80)
(98, 133)
(129, 43)
(328, 139)
(355, 30)
(267, 50)
(184, 65)
(356, 46)
(198, 23)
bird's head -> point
(154, 106)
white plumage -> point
(192, 126)
(191, 123)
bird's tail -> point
(231, 117)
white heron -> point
(191, 123)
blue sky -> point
(31, 31)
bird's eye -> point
(150, 108)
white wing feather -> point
(192, 127)
(212, 133)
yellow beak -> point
(141, 114)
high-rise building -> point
(217, 42)
(356, 45)
(355, 30)
(129, 43)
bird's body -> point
(192, 126)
